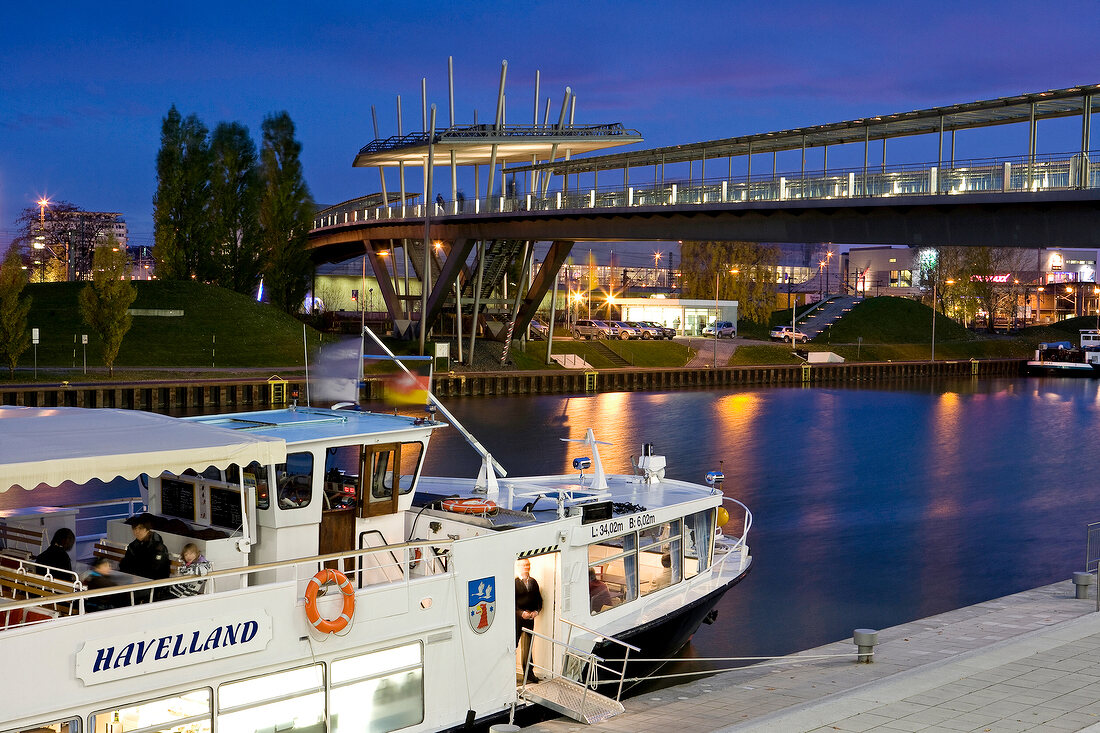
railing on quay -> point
(1053, 172)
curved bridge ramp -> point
(573, 700)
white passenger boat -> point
(1062, 358)
(415, 631)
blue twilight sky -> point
(84, 86)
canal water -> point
(872, 506)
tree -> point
(105, 303)
(752, 286)
(286, 211)
(234, 209)
(14, 338)
(181, 232)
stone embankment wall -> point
(233, 395)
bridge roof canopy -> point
(473, 144)
(1002, 111)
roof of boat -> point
(298, 424)
(50, 445)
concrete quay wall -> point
(244, 394)
(614, 380)
(159, 396)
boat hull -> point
(1061, 369)
(663, 637)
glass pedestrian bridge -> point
(1023, 174)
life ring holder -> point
(341, 622)
(479, 507)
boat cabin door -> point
(544, 570)
(379, 471)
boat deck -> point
(628, 495)
(1025, 662)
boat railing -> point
(91, 525)
(588, 663)
(592, 680)
(359, 565)
(738, 545)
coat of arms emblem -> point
(482, 604)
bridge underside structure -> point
(1027, 200)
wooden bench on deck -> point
(20, 542)
(20, 580)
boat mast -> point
(490, 467)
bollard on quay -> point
(1082, 581)
(865, 640)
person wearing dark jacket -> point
(528, 605)
(146, 555)
(57, 554)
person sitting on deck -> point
(193, 564)
(146, 555)
(57, 554)
(100, 577)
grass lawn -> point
(218, 328)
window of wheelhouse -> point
(291, 700)
(659, 557)
(68, 725)
(190, 712)
(254, 475)
(380, 691)
(295, 480)
(614, 567)
(698, 542)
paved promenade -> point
(1026, 662)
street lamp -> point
(828, 256)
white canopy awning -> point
(50, 445)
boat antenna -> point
(490, 467)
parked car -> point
(662, 331)
(623, 330)
(787, 333)
(725, 329)
(539, 330)
(648, 330)
(589, 329)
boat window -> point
(659, 558)
(381, 691)
(189, 711)
(72, 725)
(292, 700)
(698, 541)
(254, 475)
(614, 562)
(295, 479)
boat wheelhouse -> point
(417, 630)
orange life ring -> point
(480, 507)
(328, 575)
(415, 558)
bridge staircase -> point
(416, 259)
(498, 255)
(814, 322)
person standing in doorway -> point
(528, 605)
